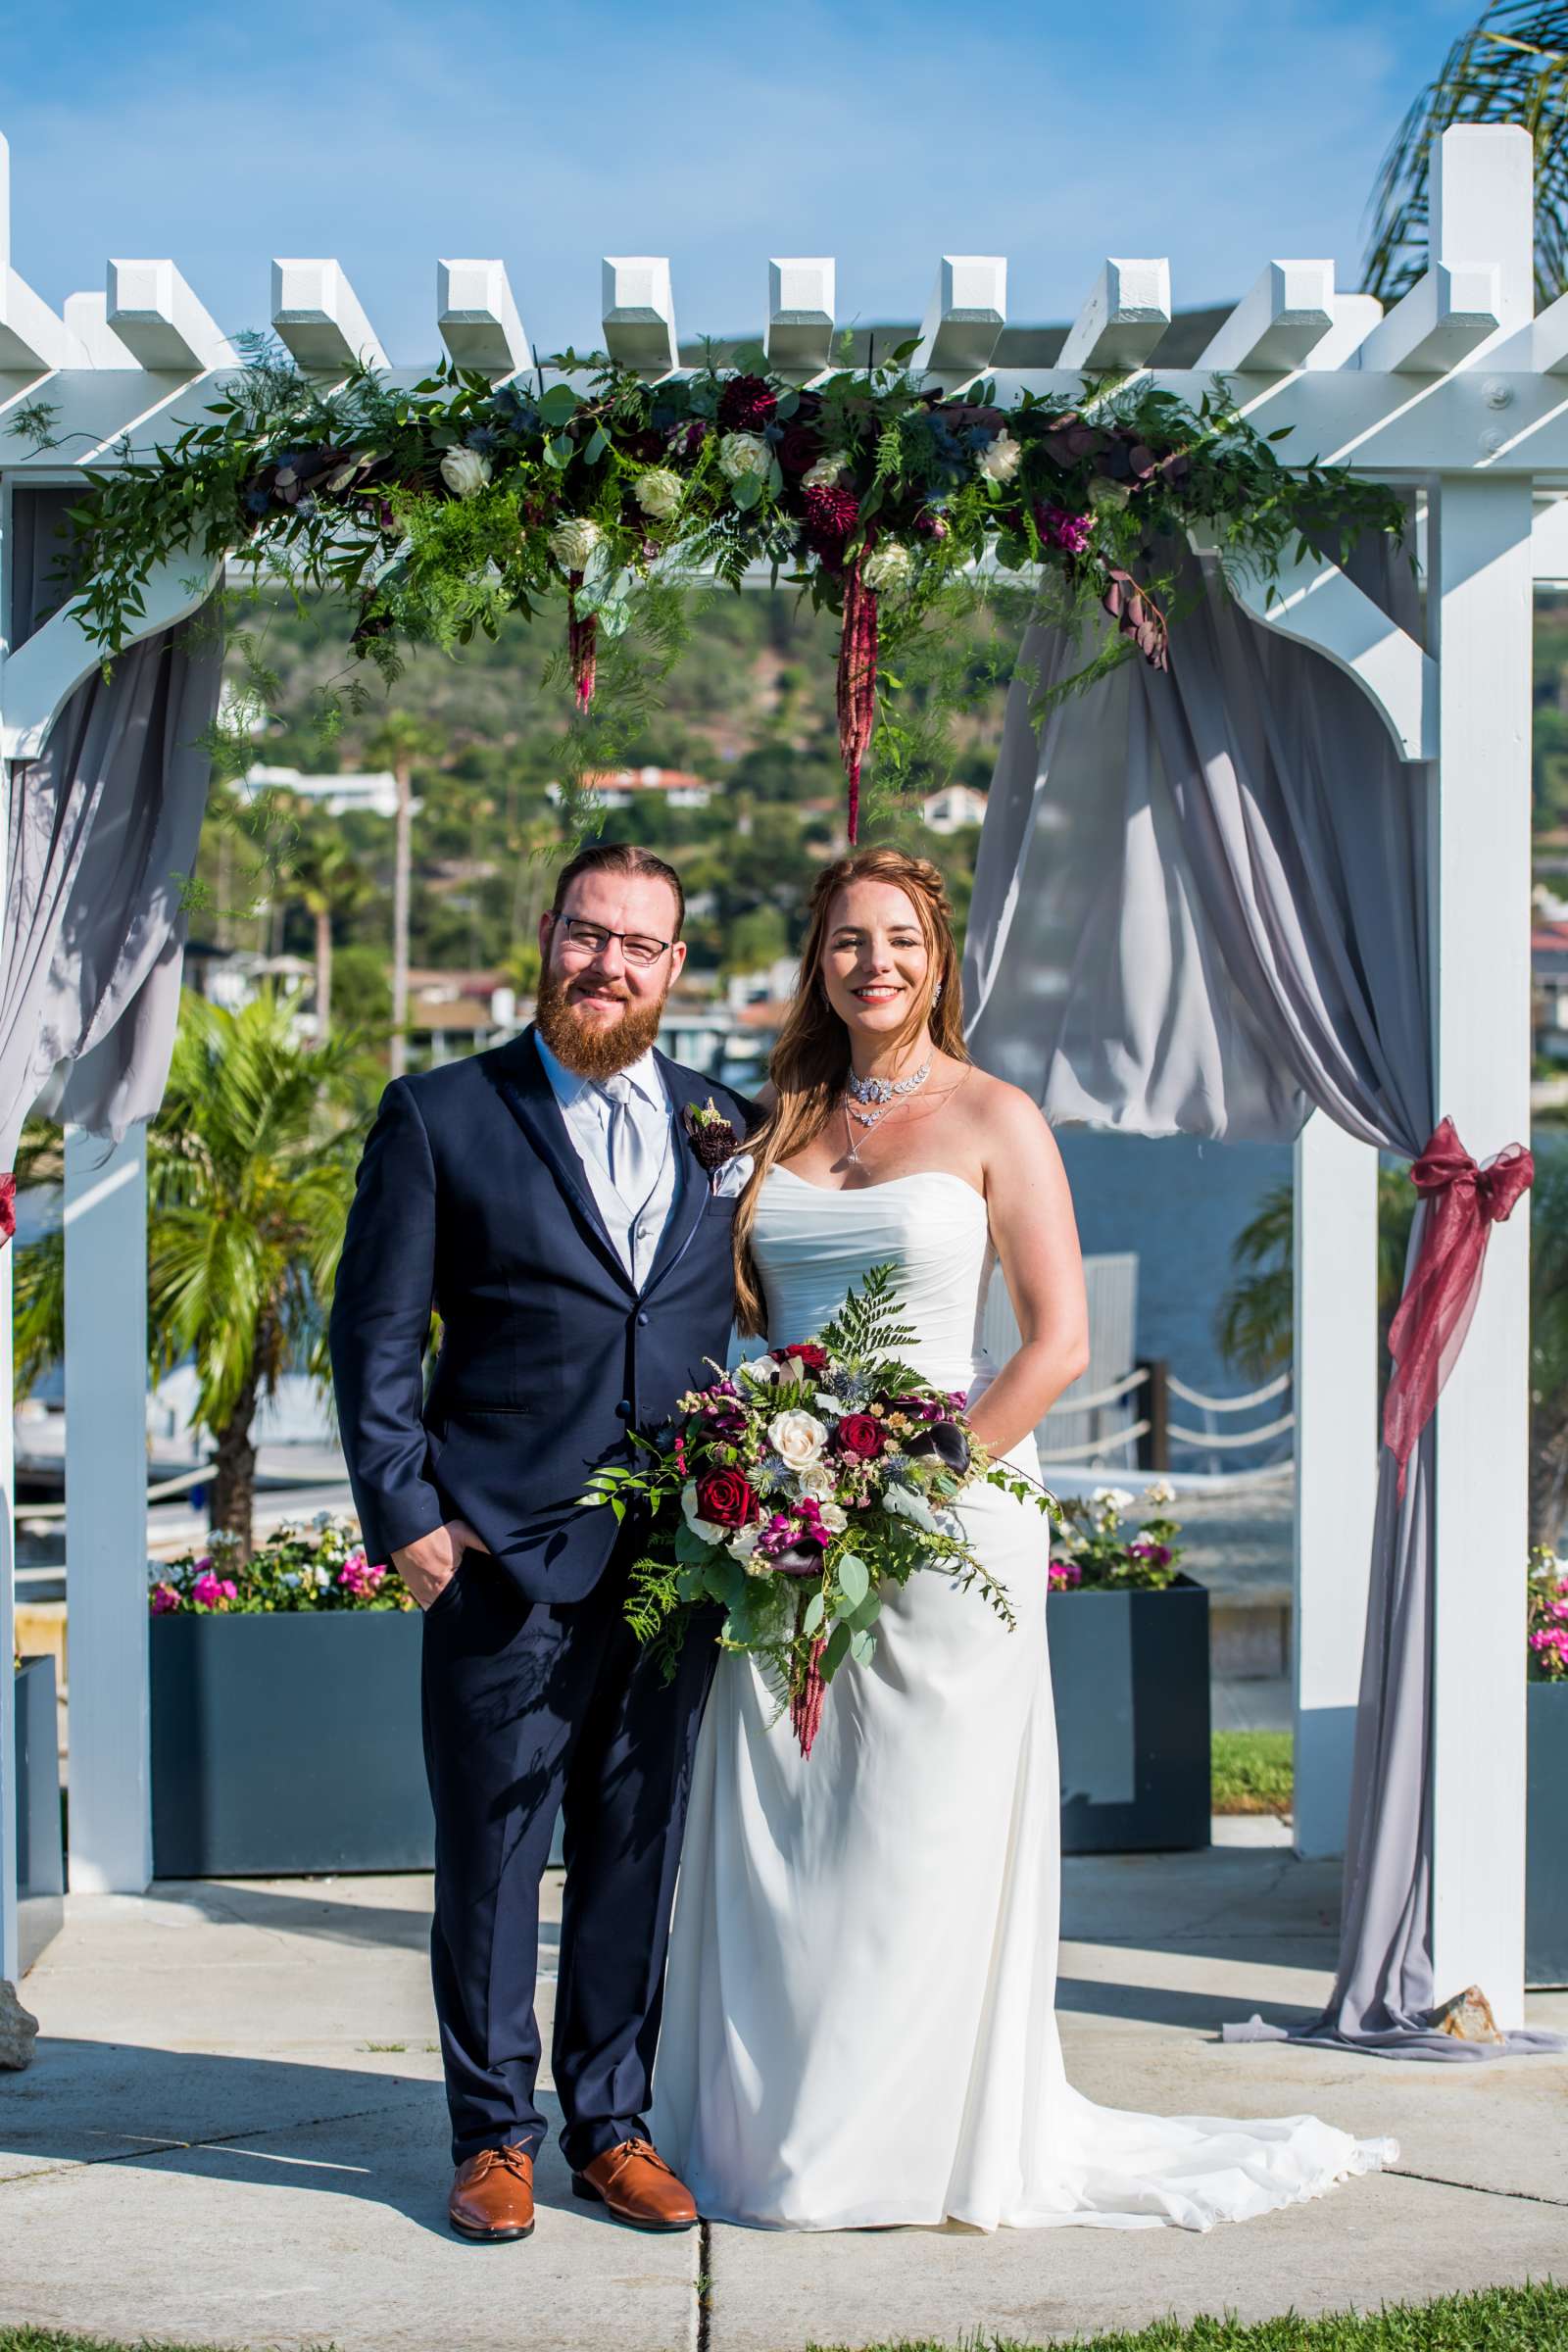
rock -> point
(1467, 2017)
(17, 2031)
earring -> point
(936, 995)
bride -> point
(859, 2024)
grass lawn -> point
(1500, 2319)
(1251, 1772)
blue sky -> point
(1221, 134)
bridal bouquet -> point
(794, 1488)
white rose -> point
(826, 473)
(833, 1517)
(741, 453)
(657, 492)
(741, 1545)
(888, 566)
(799, 1438)
(817, 1482)
(709, 1532)
(465, 471)
(1104, 492)
(573, 541)
(1001, 459)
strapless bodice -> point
(812, 1246)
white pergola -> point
(1460, 392)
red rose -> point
(809, 1354)
(859, 1437)
(724, 1499)
(800, 449)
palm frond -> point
(1510, 66)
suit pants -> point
(530, 1708)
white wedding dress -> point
(860, 2025)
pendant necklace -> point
(870, 1100)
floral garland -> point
(440, 509)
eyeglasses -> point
(594, 938)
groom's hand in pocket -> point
(428, 1565)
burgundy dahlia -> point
(831, 515)
(745, 404)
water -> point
(1180, 1204)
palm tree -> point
(332, 885)
(1510, 66)
(399, 742)
(249, 1181)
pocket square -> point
(731, 1176)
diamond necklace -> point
(884, 1095)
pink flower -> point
(1063, 1576)
(1060, 526)
(358, 1577)
(214, 1591)
(164, 1598)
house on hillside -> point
(624, 787)
(954, 810)
(371, 791)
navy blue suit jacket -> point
(471, 1199)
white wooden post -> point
(1336, 1463)
(106, 1511)
(1480, 587)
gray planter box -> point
(1129, 1673)
(288, 1745)
(40, 1849)
(1546, 1835)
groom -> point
(547, 1200)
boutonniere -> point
(713, 1136)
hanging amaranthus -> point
(582, 642)
(857, 682)
(806, 1706)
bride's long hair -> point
(811, 1060)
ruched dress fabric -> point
(859, 2020)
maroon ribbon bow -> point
(1464, 1201)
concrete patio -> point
(234, 2131)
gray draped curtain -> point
(100, 828)
(1200, 908)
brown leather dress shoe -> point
(635, 2186)
(492, 2197)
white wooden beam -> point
(39, 678)
(479, 319)
(639, 313)
(1354, 318)
(1123, 318)
(1336, 1326)
(106, 1511)
(801, 300)
(32, 339)
(1447, 314)
(1278, 324)
(1549, 543)
(1319, 604)
(86, 316)
(1483, 211)
(156, 316)
(318, 315)
(964, 317)
(1548, 338)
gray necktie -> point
(633, 1163)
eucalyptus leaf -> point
(854, 1579)
(775, 477)
(747, 491)
(869, 1610)
(557, 403)
(596, 446)
(815, 1611)
(863, 1646)
(838, 1645)
(559, 451)
(788, 402)
(908, 1505)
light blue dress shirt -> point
(636, 1228)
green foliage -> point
(322, 1566)
(1510, 66)
(1092, 1551)
(1252, 1772)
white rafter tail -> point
(639, 313)
(479, 318)
(318, 315)
(33, 338)
(965, 317)
(1354, 318)
(153, 312)
(87, 319)
(1319, 604)
(1548, 542)
(800, 296)
(1276, 326)
(1447, 314)
(1122, 320)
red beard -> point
(587, 1048)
